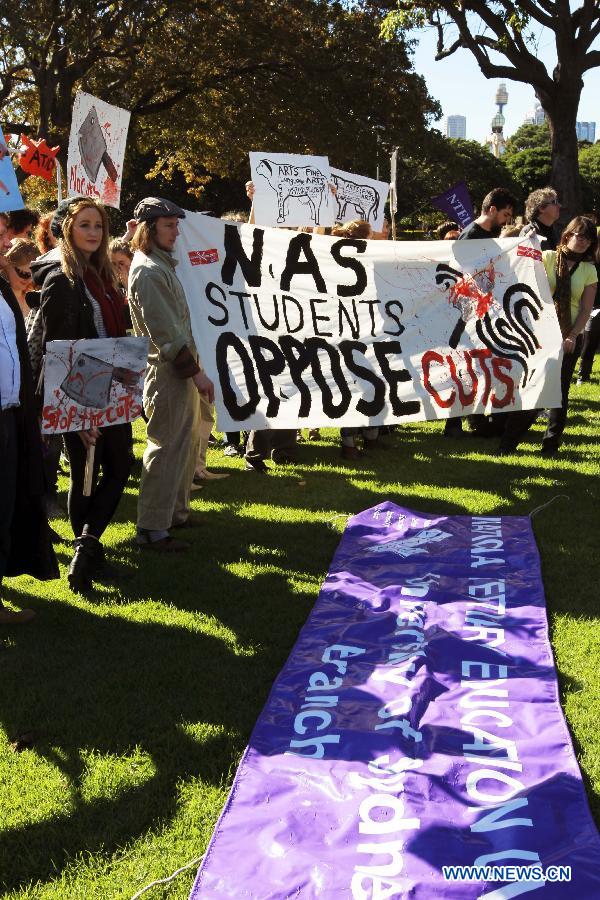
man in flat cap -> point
(174, 379)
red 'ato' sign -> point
(37, 158)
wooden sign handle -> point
(89, 471)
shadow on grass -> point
(84, 682)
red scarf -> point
(110, 302)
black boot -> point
(83, 563)
(103, 570)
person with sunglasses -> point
(18, 273)
(573, 281)
(542, 210)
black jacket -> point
(66, 309)
(31, 551)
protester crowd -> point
(63, 278)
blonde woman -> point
(80, 299)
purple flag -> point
(415, 726)
(456, 204)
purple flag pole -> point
(456, 203)
(413, 745)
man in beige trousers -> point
(174, 380)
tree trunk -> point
(561, 112)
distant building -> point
(586, 131)
(496, 143)
(537, 117)
(456, 127)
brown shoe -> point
(15, 617)
(192, 521)
(373, 444)
(165, 545)
(350, 453)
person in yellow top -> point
(573, 280)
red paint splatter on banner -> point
(474, 293)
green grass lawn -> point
(140, 700)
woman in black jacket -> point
(79, 299)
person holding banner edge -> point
(497, 210)
(573, 282)
(174, 379)
(80, 299)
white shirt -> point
(10, 368)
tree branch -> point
(591, 60)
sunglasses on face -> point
(581, 236)
(23, 273)
(551, 203)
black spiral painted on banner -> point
(511, 336)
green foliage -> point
(140, 698)
(530, 168)
(207, 82)
(529, 137)
(440, 162)
(589, 167)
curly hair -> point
(538, 199)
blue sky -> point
(460, 88)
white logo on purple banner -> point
(411, 545)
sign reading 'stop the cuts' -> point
(298, 329)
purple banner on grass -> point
(415, 725)
(456, 203)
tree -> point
(208, 81)
(529, 137)
(441, 162)
(589, 165)
(528, 158)
(500, 34)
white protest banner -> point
(97, 149)
(10, 195)
(291, 189)
(96, 382)
(359, 197)
(302, 330)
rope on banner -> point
(544, 505)
(339, 516)
(194, 862)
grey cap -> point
(152, 207)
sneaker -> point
(232, 450)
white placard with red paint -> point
(97, 382)
(97, 149)
(299, 329)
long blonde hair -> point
(73, 263)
